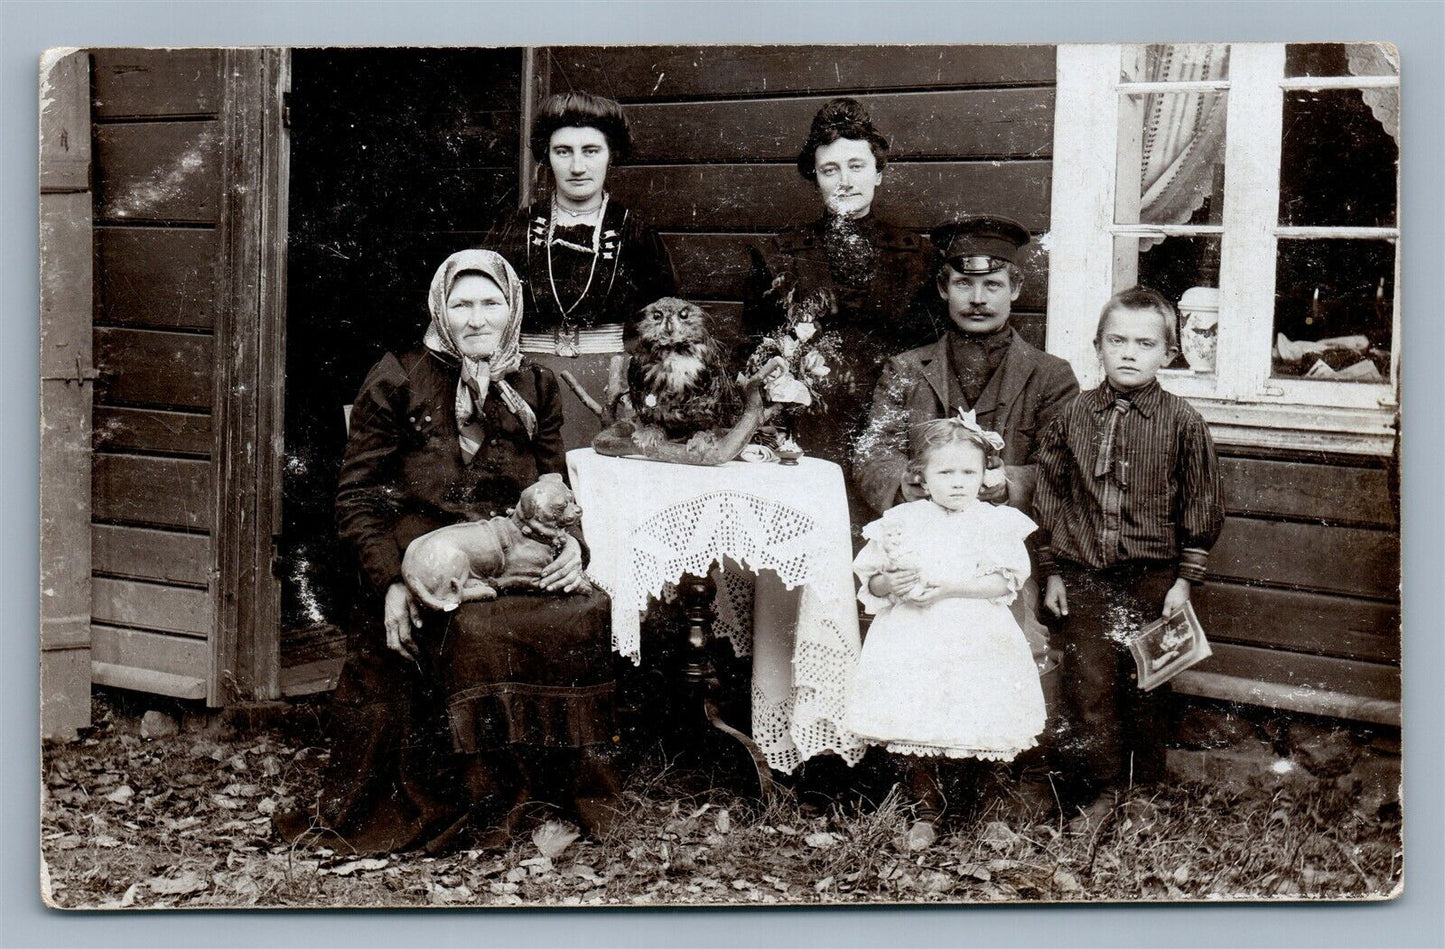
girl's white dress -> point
(954, 677)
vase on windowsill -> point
(1199, 327)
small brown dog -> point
(477, 560)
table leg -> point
(700, 676)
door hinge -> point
(81, 376)
(278, 566)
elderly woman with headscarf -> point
(448, 724)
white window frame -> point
(1242, 401)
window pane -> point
(1171, 158)
(1186, 271)
(1338, 165)
(1334, 309)
(1340, 59)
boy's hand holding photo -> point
(1177, 598)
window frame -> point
(1243, 402)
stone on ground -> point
(156, 724)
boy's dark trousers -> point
(1113, 732)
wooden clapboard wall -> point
(717, 129)
(1303, 608)
(185, 326)
(158, 152)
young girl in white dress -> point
(945, 670)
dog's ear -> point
(526, 508)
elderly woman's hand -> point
(400, 615)
(564, 574)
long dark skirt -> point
(510, 703)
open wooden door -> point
(189, 231)
(65, 383)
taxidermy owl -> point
(679, 378)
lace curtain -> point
(1378, 59)
(1183, 135)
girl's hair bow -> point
(969, 422)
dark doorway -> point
(398, 158)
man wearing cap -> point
(980, 364)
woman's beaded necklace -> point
(595, 250)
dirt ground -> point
(184, 820)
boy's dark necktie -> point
(1108, 449)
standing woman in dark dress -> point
(452, 722)
(874, 271)
(587, 264)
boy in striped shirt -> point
(1128, 503)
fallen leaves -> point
(187, 881)
(188, 823)
(552, 838)
(364, 865)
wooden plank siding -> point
(639, 73)
(152, 606)
(158, 171)
(148, 367)
(140, 553)
(158, 199)
(716, 133)
(949, 124)
(156, 277)
(150, 491)
(1304, 589)
(150, 661)
(152, 430)
(745, 197)
(147, 84)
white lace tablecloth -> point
(649, 523)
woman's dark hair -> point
(841, 118)
(581, 110)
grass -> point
(193, 830)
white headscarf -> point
(480, 375)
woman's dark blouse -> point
(632, 271)
(881, 278)
(403, 473)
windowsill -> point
(1350, 431)
(1365, 430)
(1301, 423)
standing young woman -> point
(874, 270)
(587, 264)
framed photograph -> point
(303, 306)
(1166, 647)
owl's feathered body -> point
(679, 378)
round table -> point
(649, 523)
